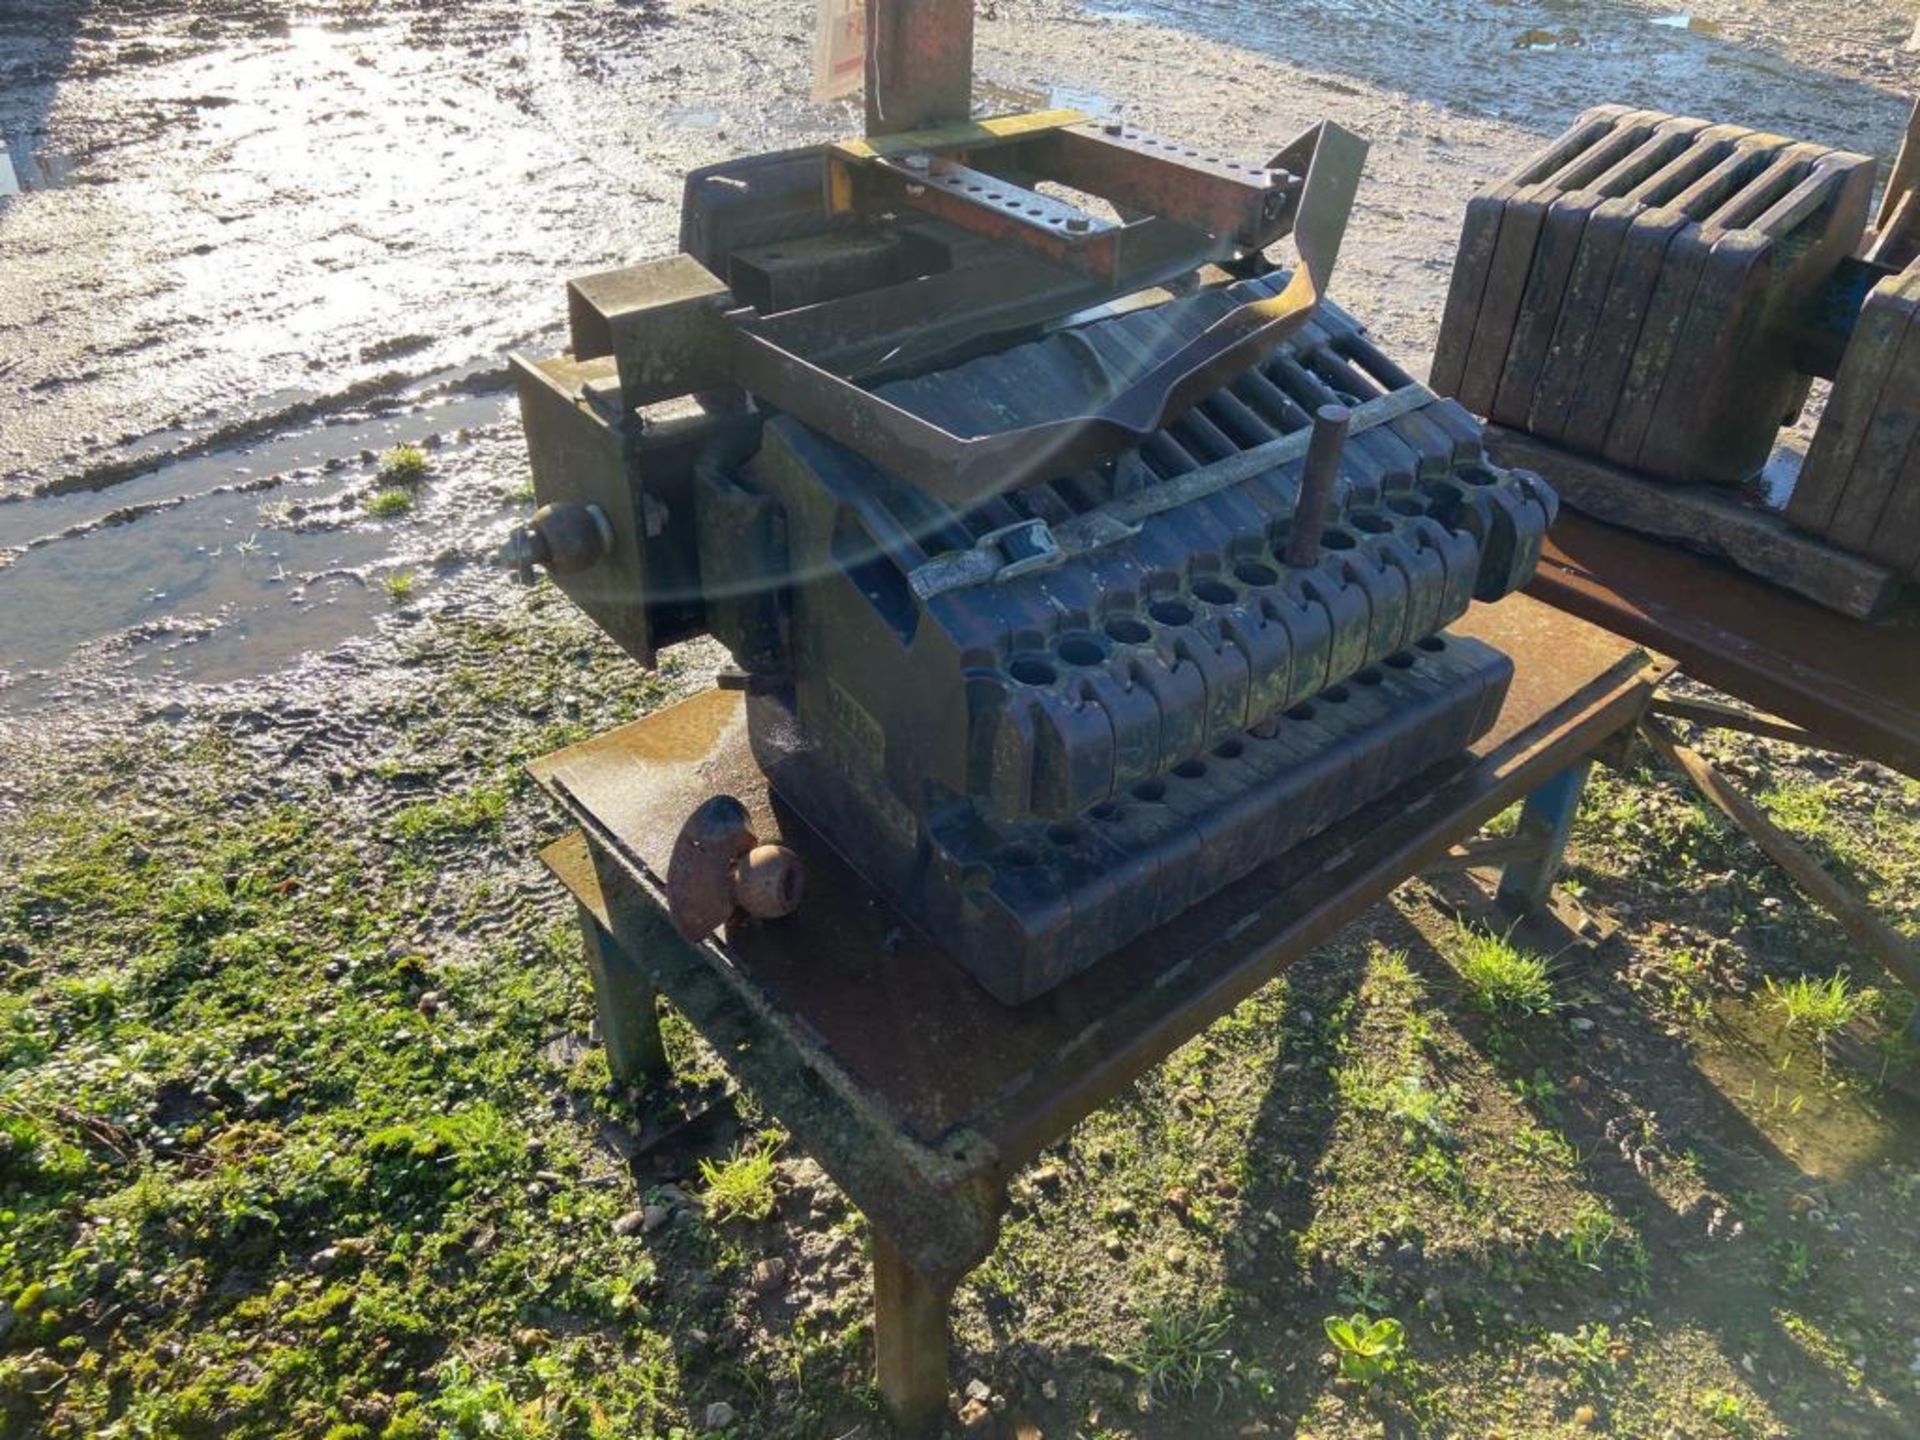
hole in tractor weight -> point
(1082, 650)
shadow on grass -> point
(1626, 1099)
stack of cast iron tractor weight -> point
(1052, 621)
(1631, 291)
(1860, 487)
(1654, 292)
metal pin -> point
(1316, 483)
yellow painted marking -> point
(998, 130)
(839, 186)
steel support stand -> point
(909, 1340)
(623, 999)
(1546, 817)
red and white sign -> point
(839, 48)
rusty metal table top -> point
(1849, 682)
(887, 1024)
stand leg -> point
(623, 999)
(909, 1340)
(1548, 816)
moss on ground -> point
(301, 1131)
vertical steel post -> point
(1548, 815)
(909, 1340)
(919, 64)
(623, 999)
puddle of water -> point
(208, 589)
(211, 569)
(1776, 1081)
(23, 521)
(1460, 54)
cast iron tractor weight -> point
(1057, 600)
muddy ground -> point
(301, 1131)
(261, 241)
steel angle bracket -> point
(963, 471)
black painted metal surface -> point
(967, 682)
(1024, 904)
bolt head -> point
(1114, 127)
(1079, 224)
(918, 162)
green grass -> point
(1880, 846)
(385, 504)
(1181, 1351)
(403, 465)
(1500, 977)
(251, 1184)
(1819, 1008)
(1593, 1232)
(741, 1186)
(399, 586)
(480, 808)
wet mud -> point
(243, 249)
